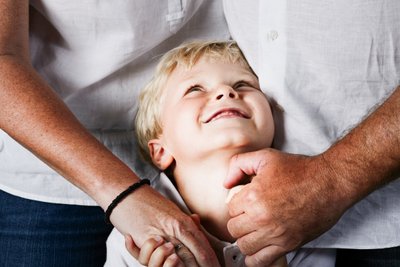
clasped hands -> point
(287, 203)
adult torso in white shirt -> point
(326, 64)
(97, 55)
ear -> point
(159, 155)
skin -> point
(268, 223)
(158, 252)
(51, 132)
(199, 105)
(193, 98)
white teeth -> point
(228, 113)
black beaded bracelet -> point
(121, 196)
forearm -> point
(369, 156)
(32, 114)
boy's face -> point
(210, 113)
(213, 106)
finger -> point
(255, 241)
(197, 243)
(131, 246)
(266, 257)
(240, 167)
(160, 254)
(184, 254)
(148, 249)
(173, 261)
(237, 200)
(232, 192)
(241, 225)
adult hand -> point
(160, 252)
(291, 200)
(146, 214)
(52, 132)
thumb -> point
(233, 192)
(241, 166)
(131, 246)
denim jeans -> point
(40, 234)
(389, 257)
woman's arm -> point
(34, 115)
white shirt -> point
(97, 55)
(326, 64)
(118, 256)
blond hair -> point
(147, 122)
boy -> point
(203, 106)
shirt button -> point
(272, 35)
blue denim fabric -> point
(389, 257)
(40, 234)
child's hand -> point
(155, 252)
(159, 252)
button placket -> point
(176, 13)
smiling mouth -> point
(227, 113)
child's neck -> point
(200, 182)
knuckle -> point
(262, 215)
(253, 195)
(244, 246)
(184, 223)
(178, 227)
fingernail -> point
(169, 245)
(158, 239)
(232, 192)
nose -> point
(226, 92)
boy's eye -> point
(243, 84)
(194, 88)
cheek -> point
(268, 125)
(178, 128)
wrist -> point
(105, 189)
(122, 196)
(341, 190)
(347, 175)
(368, 156)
